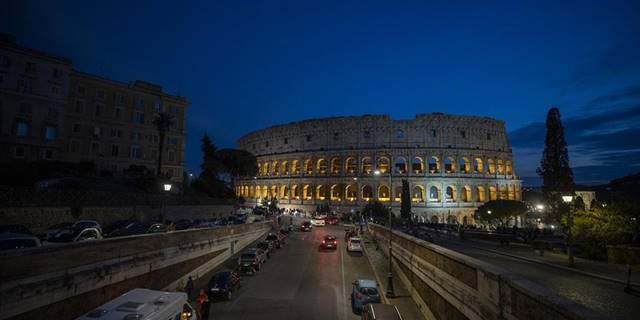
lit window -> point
(22, 129)
(49, 132)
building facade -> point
(50, 111)
(453, 164)
(33, 98)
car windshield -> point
(330, 238)
(263, 245)
(369, 291)
(355, 241)
(247, 256)
(221, 278)
(306, 223)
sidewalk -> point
(380, 264)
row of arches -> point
(400, 165)
(354, 192)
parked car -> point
(12, 241)
(331, 220)
(379, 311)
(251, 260)
(354, 244)
(273, 238)
(317, 222)
(52, 230)
(183, 224)
(117, 225)
(75, 234)
(364, 291)
(266, 246)
(329, 242)
(306, 226)
(15, 228)
(87, 224)
(138, 228)
(224, 283)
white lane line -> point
(344, 291)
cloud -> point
(631, 92)
(620, 59)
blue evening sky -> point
(245, 65)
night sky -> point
(245, 65)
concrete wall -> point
(449, 285)
(39, 219)
(69, 280)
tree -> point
(557, 176)
(163, 122)
(500, 211)
(208, 181)
(405, 201)
(376, 210)
(237, 163)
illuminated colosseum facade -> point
(452, 163)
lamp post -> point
(569, 200)
(167, 188)
(390, 291)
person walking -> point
(204, 305)
(188, 288)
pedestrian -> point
(188, 288)
(204, 305)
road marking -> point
(344, 291)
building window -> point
(286, 140)
(76, 127)
(57, 73)
(97, 132)
(135, 136)
(138, 117)
(171, 156)
(434, 133)
(308, 137)
(25, 85)
(80, 90)
(172, 141)
(98, 110)
(55, 90)
(135, 152)
(463, 134)
(52, 113)
(488, 136)
(22, 129)
(19, 152)
(100, 94)
(154, 154)
(25, 108)
(117, 112)
(114, 150)
(336, 135)
(266, 143)
(49, 132)
(157, 106)
(74, 146)
(119, 98)
(78, 106)
(367, 134)
(399, 134)
(30, 67)
(47, 154)
(175, 109)
(95, 148)
(5, 61)
(139, 103)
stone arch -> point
(397, 193)
(417, 194)
(320, 192)
(464, 165)
(367, 193)
(265, 168)
(265, 191)
(478, 166)
(336, 165)
(465, 220)
(295, 167)
(321, 166)
(509, 167)
(450, 194)
(491, 166)
(511, 192)
(417, 165)
(383, 164)
(465, 194)
(336, 194)
(274, 168)
(351, 165)
(492, 193)
(284, 167)
(434, 219)
(284, 192)
(383, 193)
(259, 169)
(400, 166)
(481, 196)
(434, 194)
(274, 191)
(452, 219)
(434, 164)
(295, 192)
(367, 165)
(502, 192)
(500, 166)
(308, 167)
(351, 192)
(306, 192)
(449, 165)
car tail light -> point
(323, 242)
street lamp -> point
(569, 200)
(540, 207)
(167, 188)
(390, 291)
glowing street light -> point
(540, 207)
(569, 199)
(167, 187)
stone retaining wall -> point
(455, 286)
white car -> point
(354, 244)
(317, 222)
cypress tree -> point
(405, 201)
(556, 174)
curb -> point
(375, 273)
(553, 265)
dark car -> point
(15, 228)
(329, 242)
(306, 226)
(224, 283)
(138, 228)
(183, 224)
(266, 246)
(118, 225)
(75, 234)
(273, 238)
(251, 260)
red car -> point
(329, 242)
(331, 220)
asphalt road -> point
(299, 281)
(605, 297)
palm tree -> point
(163, 122)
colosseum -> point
(452, 163)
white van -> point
(145, 304)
